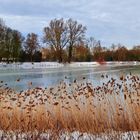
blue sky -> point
(111, 21)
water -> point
(53, 76)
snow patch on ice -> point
(44, 65)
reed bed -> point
(112, 107)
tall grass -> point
(114, 106)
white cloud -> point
(111, 21)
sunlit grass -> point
(114, 106)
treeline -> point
(64, 41)
(85, 53)
(10, 42)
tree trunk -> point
(70, 54)
(60, 59)
(31, 57)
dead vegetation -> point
(114, 106)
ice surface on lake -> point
(46, 74)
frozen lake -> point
(52, 76)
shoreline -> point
(45, 65)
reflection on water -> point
(51, 77)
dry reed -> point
(114, 106)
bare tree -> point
(2, 30)
(76, 33)
(31, 44)
(56, 36)
(16, 44)
(2, 37)
(10, 43)
(92, 42)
